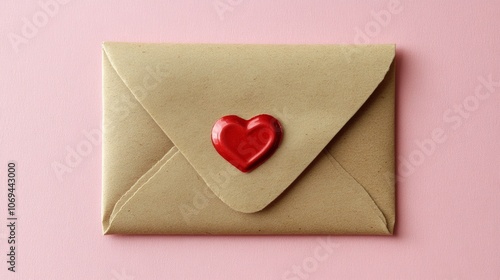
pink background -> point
(448, 199)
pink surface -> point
(449, 187)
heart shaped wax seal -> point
(246, 144)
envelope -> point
(331, 174)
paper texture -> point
(332, 173)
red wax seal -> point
(246, 144)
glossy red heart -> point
(246, 143)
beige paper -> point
(161, 174)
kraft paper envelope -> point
(162, 175)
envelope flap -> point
(313, 91)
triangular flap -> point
(313, 90)
(175, 201)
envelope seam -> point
(380, 214)
(138, 190)
(140, 178)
